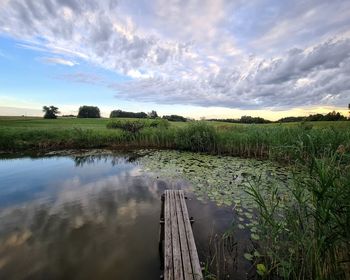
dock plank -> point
(186, 261)
(181, 260)
(177, 260)
(168, 251)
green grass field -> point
(251, 140)
(68, 123)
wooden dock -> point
(180, 254)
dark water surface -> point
(84, 217)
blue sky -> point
(195, 58)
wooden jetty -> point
(179, 249)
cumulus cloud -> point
(237, 54)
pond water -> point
(95, 215)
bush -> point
(128, 126)
(197, 136)
(160, 123)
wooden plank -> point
(186, 262)
(196, 268)
(177, 260)
(168, 251)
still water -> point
(90, 217)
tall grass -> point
(259, 141)
(307, 236)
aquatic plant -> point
(259, 141)
(197, 137)
(307, 236)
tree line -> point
(51, 112)
(331, 116)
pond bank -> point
(275, 142)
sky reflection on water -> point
(61, 219)
(90, 217)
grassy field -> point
(261, 140)
(68, 123)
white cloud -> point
(58, 60)
(236, 54)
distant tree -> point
(50, 112)
(291, 119)
(243, 119)
(89, 112)
(153, 114)
(249, 119)
(175, 118)
(314, 118)
(124, 114)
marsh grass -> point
(307, 236)
(222, 256)
(276, 142)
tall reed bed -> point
(259, 141)
(307, 236)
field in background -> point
(247, 140)
(67, 123)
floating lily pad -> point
(248, 256)
(254, 236)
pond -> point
(95, 214)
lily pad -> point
(248, 256)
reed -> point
(307, 236)
(258, 141)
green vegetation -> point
(296, 216)
(262, 141)
(331, 116)
(306, 234)
(89, 112)
(153, 114)
(50, 112)
(175, 118)
(124, 114)
(244, 119)
(136, 126)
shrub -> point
(160, 123)
(197, 136)
(128, 126)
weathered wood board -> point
(181, 260)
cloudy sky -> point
(212, 58)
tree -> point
(89, 112)
(124, 114)
(153, 114)
(50, 112)
(175, 118)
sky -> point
(199, 58)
